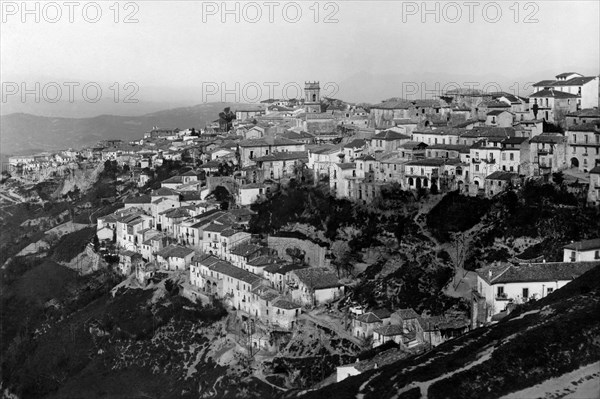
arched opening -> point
(418, 184)
(574, 162)
(410, 181)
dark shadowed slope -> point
(540, 340)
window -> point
(597, 255)
(525, 293)
(504, 156)
(512, 157)
(500, 292)
(574, 138)
(550, 290)
(476, 168)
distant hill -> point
(23, 133)
(537, 344)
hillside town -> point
(193, 224)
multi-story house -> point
(175, 257)
(584, 146)
(387, 140)
(547, 154)
(501, 284)
(281, 165)
(342, 179)
(314, 286)
(321, 158)
(552, 105)
(255, 148)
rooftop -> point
(317, 278)
(584, 245)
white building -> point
(582, 251)
(503, 284)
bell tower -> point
(312, 97)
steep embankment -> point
(540, 341)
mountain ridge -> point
(23, 132)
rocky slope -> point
(544, 340)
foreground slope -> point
(540, 341)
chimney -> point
(490, 274)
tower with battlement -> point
(312, 97)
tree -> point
(296, 254)
(558, 178)
(96, 243)
(226, 119)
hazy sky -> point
(183, 44)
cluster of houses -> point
(408, 329)
(475, 142)
(171, 230)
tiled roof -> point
(585, 127)
(534, 272)
(587, 112)
(356, 143)
(584, 245)
(267, 142)
(407, 314)
(142, 199)
(514, 140)
(216, 228)
(545, 271)
(390, 135)
(317, 278)
(174, 213)
(389, 330)
(283, 156)
(245, 249)
(163, 191)
(496, 112)
(578, 81)
(396, 104)
(368, 317)
(228, 269)
(175, 251)
(548, 138)
(173, 180)
(552, 94)
(285, 304)
(500, 175)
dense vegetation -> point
(60, 332)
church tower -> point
(312, 97)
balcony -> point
(502, 297)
